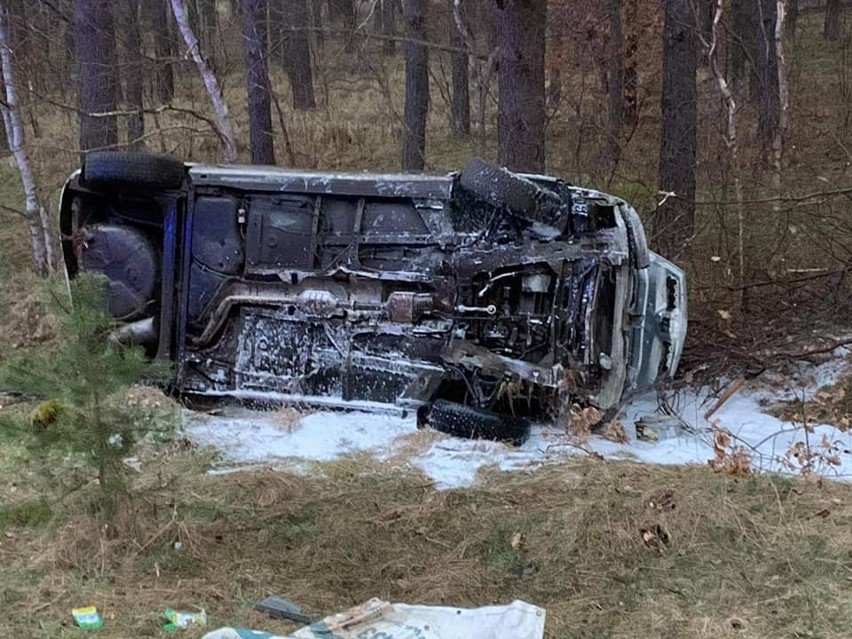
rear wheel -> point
(132, 170)
(466, 421)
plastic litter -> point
(87, 617)
(183, 619)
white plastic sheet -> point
(380, 620)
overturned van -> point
(480, 299)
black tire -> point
(465, 421)
(132, 170)
(498, 186)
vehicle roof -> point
(272, 178)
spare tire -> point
(499, 186)
(466, 421)
(132, 170)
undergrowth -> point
(608, 548)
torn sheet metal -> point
(377, 618)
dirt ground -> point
(611, 549)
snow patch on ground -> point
(254, 438)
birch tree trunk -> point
(731, 140)
(41, 242)
(223, 119)
(783, 99)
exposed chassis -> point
(506, 294)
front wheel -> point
(466, 421)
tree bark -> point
(460, 107)
(133, 70)
(316, 22)
(389, 26)
(675, 219)
(224, 126)
(766, 91)
(342, 11)
(164, 78)
(416, 86)
(792, 18)
(616, 82)
(97, 82)
(521, 118)
(833, 25)
(41, 242)
(631, 65)
(293, 46)
(743, 14)
(257, 80)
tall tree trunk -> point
(460, 107)
(676, 215)
(97, 82)
(316, 22)
(159, 25)
(833, 25)
(257, 79)
(133, 70)
(224, 126)
(631, 64)
(766, 93)
(294, 49)
(416, 86)
(38, 226)
(521, 119)
(343, 12)
(616, 82)
(743, 14)
(791, 19)
(389, 26)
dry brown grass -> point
(749, 557)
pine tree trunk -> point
(389, 26)
(315, 8)
(295, 50)
(675, 219)
(460, 107)
(766, 93)
(416, 86)
(159, 25)
(257, 79)
(631, 62)
(342, 12)
(97, 81)
(742, 37)
(616, 83)
(133, 70)
(832, 27)
(792, 18)
(521, 119)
